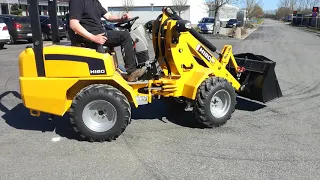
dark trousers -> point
(117, 38)
(123, 39)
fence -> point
(306, 22)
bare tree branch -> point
(252, 7)
(127, 5)
(292, 4)
(180, 6)
(215, 5)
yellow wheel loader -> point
(88, 84)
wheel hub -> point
(220, 103)
(99, 115)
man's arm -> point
(112, 18)
(76, 11)
(79, 29)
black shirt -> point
(89, 13)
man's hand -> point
(99, 38)
(125, 17)
(77, 28)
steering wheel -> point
(127, 24)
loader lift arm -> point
(255, 73)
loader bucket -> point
(259, 78)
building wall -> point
(196, 11)
(145, 13)
(226, 12)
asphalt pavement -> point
(279, 140)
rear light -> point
(49, 25)
(5, 28)
(17, 25)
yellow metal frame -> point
(54, 93)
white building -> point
(226, 12)
(195, 9)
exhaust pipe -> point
(259, 81)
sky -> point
(269, 4)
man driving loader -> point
(85, 21)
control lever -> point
(100, 49)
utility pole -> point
(152, 6)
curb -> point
(308, 30)
(243, 38)
(305, 29)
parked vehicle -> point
(19, 27)
(4, 34)
(232, 23)
(207, 23)
(46, 28)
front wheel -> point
(100, 113)
(215, 102)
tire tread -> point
(199, 110)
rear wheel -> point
(100, 113)
(1, 46)
(44, 36)
(12, 40)
(215, 102)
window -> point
(207, 20)
(22, 20)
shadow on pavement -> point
(158, 110)
(19, 117)
(248, 105)
(19, 43)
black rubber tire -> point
(44, 36)
(201, 109)
(1, 46)
(98, 92)
(12, 40)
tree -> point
(180, 6)
(15, 10)
(215, 5)
(257, 12)
(127, 5)
(287, 7)
(283, 12)
(253, 8)
(291, 4)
